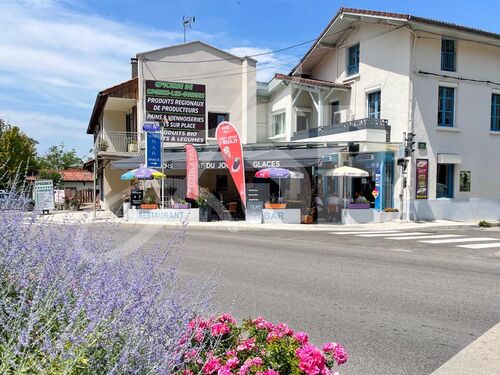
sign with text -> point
(153, 150)
(422, 184)
(191, 172)
(232, 151)
(181, 108)
(151, 127)
(44, 195)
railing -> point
(116, 141)
(349, 126)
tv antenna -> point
(186, 22)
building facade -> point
(370, 79)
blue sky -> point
(55, 55)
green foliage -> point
(17, 155)
(56, 158)
(45, 174)
(485, 224)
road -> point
(398, 306)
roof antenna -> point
(186, 22)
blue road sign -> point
(153, 150)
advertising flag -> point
(232, 151)
(191, 172)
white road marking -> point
(457, 240)
(367, 232)
(426, 237)
(393, 235)
(401, 250)
(480, 245)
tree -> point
(56, 158)
(17, 155)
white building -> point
(369, 78)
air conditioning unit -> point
(342, 116)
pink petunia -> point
(219, 329)
(211, 366)
(226, 318)
(302, 338)
(246, 345)
(232, 362)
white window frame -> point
(272, 128)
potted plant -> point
(180, 204)
(202, 202)
(132, 146)
(102, 144)
(149, 203)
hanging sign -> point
(153, 150)
(191, 172)
(180, 106)
(230, 146)
(422, 173)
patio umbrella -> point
(278, 173)
(141, 173)
(346, 171)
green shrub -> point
(485, 224)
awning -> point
(449, 159)
(254, 159)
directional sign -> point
(151, 127)
(153, 149)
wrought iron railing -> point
(119, 141)
(348, 126)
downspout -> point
(409, 171)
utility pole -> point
(186, 22)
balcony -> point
(119, 143)
(344, 127)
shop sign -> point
(153, 150)
(181, 109)
(422, 174)
(191, 172)
(44, 195)
(232, 151)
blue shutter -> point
(353, 60)
(448, 55)
(495, 112)
(446, 106)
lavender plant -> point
(67, 306)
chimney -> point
(133, 63)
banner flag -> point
(232, 151)
(191, 172)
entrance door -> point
(444, 180)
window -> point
(448, 55)
(335, 114)
(446, 106)
(495, 112)
(215, 119)
(353, 60)
(373, 100)
(444, 181)
(302, 121)
(278, 124)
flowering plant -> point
(257, 347)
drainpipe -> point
(409, 171)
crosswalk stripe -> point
(456, 240)
(393, 234)
(480, 245)
(426, 237)
(367, 232)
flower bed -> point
(257, 347)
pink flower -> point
(231, 353)
(224, 371)
(219, 329)
(246, 345)
(268, 372)
(226, 318)
(190, 354)
(261, 323)
(232, 362)
(211, 366)
(301, 337)
(250, 362)
(340, 355)
(311, 359)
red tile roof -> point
(77, 175)
(310, 81)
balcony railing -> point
(119, 142)
(349, 126)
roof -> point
(310, 81)
(127, 89)
(229, 55)
(76, 175)
(401, 18)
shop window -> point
(495, 112)
(448, 55)
(278, 126)
(335, 113)
(353, 60)
(444, 180)
(214, 119)
(374, 104)
(446, 106)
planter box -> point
(205, 214)
(275, 206)
(149, 206)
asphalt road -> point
(399, 307)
